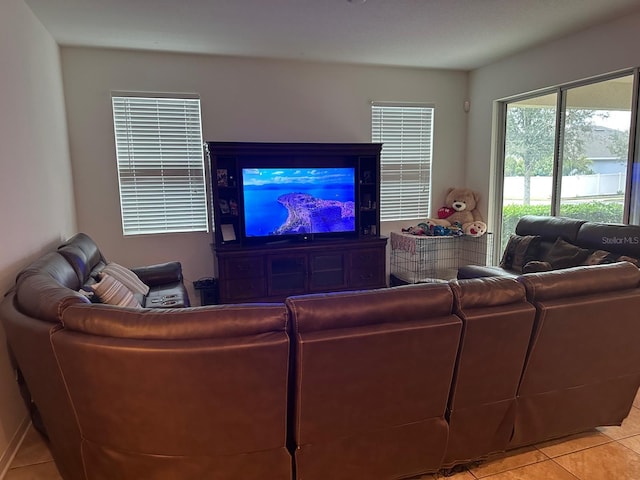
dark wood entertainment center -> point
(250, 270)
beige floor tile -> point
(631, 442)
(572, 443)
(609, 461)
(41, 471)
(33, 450)
(630, 426)
(508, 461)
(636, 401)
(547, 470)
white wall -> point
(242, 100)
(599, 50)
(35, 185)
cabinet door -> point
(242, 267)
(234, 290)
(241, 278)
(328, 271)
(287, 274)
(367, 268)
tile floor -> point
(604, 453)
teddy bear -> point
(460, 208)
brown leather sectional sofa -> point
(557, 242)
(381, 384)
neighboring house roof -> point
(597, 147)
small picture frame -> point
(224, 206)
(222, 177)
(228, 232)
(233, 207)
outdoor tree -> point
(618, 144)
(578, 128)
(530, 141)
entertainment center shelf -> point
(322, 233)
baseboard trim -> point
(13, 447)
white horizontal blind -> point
(160, 164)
(406, 132)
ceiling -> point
(452, 34)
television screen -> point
(298, 201)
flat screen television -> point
(305, 203)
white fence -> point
(573, 186)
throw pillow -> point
(126, 277)
(520, 250)
(564, 255)
(111, 291)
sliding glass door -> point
(567, 153)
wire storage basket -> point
(416, 259)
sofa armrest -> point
(160, 274)
(481, 271)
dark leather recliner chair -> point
(165, 282)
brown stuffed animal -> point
(460, 207)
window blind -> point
(406, 132)
(160, 164)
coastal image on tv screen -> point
(291, 201)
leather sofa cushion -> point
(617, 238)
(220, 321)
(479, 271)
(78, 260)
(359, 308)
(37, 296)
(486, 292)
(88, 247)
(159, 274)
(549, 228)
(580, 280)
(54, 266)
